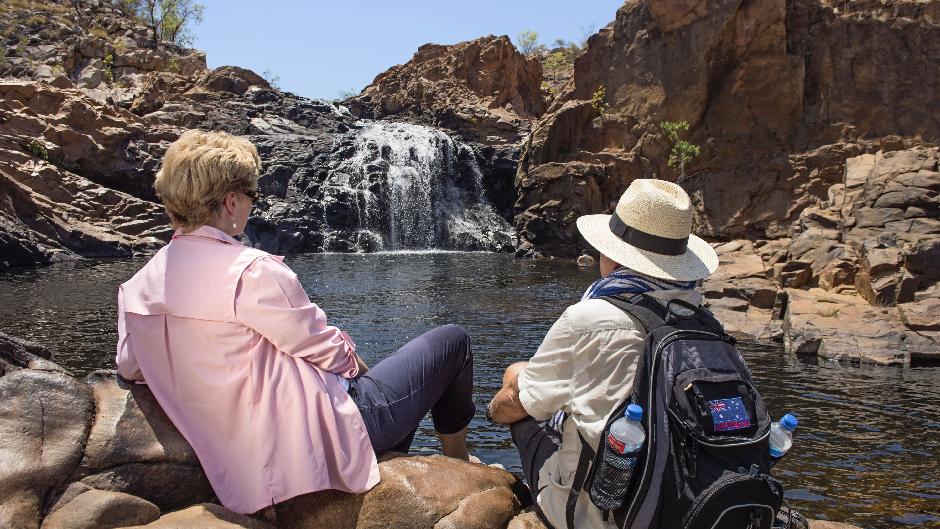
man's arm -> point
(505, 408)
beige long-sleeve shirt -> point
(585, 366)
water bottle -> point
(781, 437)
(624, 440)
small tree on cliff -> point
(527, 41)
(170, 20)
(682, 151)
(599, 101)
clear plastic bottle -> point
(781, 436)
(624, 440)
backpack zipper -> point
(651, 432)
(702, 500)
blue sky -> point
(321, 48)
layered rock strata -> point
(484, 89)
(857, 279)
(778, 93)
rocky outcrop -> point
(857, 277)
(79, 148)
(99, 44)
(778, 94)
(483, 89)
(69, 170)
(99, 453)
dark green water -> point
(868, 444)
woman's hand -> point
(363, 367)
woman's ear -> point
(230, 202)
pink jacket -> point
(247, 369)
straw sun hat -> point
(650, 232)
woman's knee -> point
(456, 342)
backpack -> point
(705, 463)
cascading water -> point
(409, 187)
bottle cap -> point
(789, 422)
(634, 412)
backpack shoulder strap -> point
(580, 476)
(651, 315)
(647, 311)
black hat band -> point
(647, 241)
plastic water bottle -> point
(781, 436)
(624, 440)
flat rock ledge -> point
(857, 280)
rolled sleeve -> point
(545, 383)
(271, 300)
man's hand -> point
(505, 408)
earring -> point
(234, 225)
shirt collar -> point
(207, 232)
(693, 297)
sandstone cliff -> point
(778, 94)
(484, 89)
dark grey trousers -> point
(433, 372)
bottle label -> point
(615, 443)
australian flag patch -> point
(729, 414)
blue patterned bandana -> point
(626, 281)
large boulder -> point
(205, 516)
(778, 93)
(419, 492)
(96, 509)
(44, 421)
(134, 448)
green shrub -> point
(682, 151)
(38, 149)
(599, 101)
(108, 70)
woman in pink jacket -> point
(274, 401)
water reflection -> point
(866, 448)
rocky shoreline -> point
(99, 453)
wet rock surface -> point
(99, 453)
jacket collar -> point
(207, 232)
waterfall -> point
(399, 186)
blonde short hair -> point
(199, 169)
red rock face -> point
(778, 93)
(483, 88)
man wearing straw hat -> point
(586, 364)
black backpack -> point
(706, 461)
